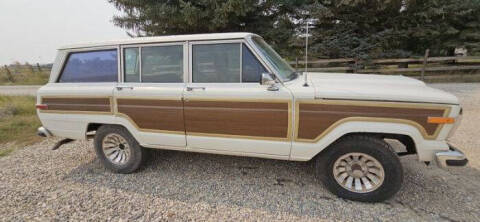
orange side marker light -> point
(440, 120)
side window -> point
(131, 65)
(252, 69)
(93, 66)
(162, 64)
(216, 63)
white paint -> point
(322, 86)
(376, 87)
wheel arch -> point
(404, 139)
(92, 127)
(406, 134)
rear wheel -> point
(360, 168)
(117, 149)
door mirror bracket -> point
(268, 79)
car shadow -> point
(283, 186)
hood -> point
(376, 87)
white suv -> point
(232, 94)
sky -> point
(32, 30)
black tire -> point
(135, 155)
(372, 146)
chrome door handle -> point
(190, 88)
(124, 87)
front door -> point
(225, 107)
(149, 97)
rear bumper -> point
(450, 158)
(43, 132)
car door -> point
(225, 107)
(149, 97)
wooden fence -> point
(18, 73)
(407, 66)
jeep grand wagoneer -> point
(232, 94)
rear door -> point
(226, 108)
(149, 96)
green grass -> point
(18, 123)
(24, 76)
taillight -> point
(41, 106)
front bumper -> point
(453, 157)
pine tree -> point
(274, 20)
(394, 28)
(343, 28)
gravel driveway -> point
(71, 184)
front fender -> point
(426, 148)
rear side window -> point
(92, 66)
(154, 64)
(131, 64)
(163, 64)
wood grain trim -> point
(78, 105)
(249, 119)
(316, 118)
(152, 115)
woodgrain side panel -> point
(315, 119)
(238, 118)
(78, 104)
(153, 114)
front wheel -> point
(117, 149)
(360, 168)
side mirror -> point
(267, 79)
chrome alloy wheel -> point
(116, 149)
(358, 172)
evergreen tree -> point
(442, 25)
(274, 20)
(343, 28)
(394, 28)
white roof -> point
(159, 39)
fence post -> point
(17, 67)
(38, 67)
(9, 74)
(296, 63)
(355, 65)
(425, 60)
(30, 67)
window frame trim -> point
(257, 52)
(140, 46)
(69, 52)
(256, 57)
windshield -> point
(284, 70)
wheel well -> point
(405, 140)
(93, 127)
